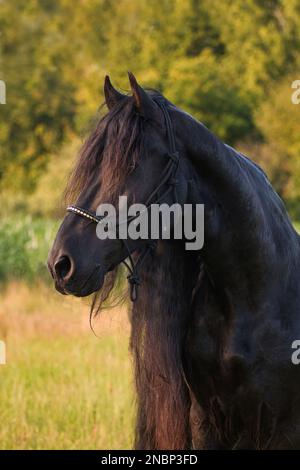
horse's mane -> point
(159, 325)
(160, 314)
(111, 151)
(159, 319)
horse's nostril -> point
(62, 267)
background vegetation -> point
(229, 63)
(62, 387)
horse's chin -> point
(92, 285)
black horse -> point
(212, 330)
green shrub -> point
(24, 245)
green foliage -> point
(35, 63)
(279, 122)
(47, 199)
(24, 245)
(229, 63)
(197, 86)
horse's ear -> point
(112, 96)
(143, 101)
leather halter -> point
(169, 180)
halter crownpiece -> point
(169, 179)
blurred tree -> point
(36, 66)
(278, 120)
(218, 60)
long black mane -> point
(192, 326)
(112, 150)
(158, 318)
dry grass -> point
(62, 387)
(37, 310)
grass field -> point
(62, 387)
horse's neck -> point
(246, 226)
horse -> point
(211, 329)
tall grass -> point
(62, 388)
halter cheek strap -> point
(169, 180)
